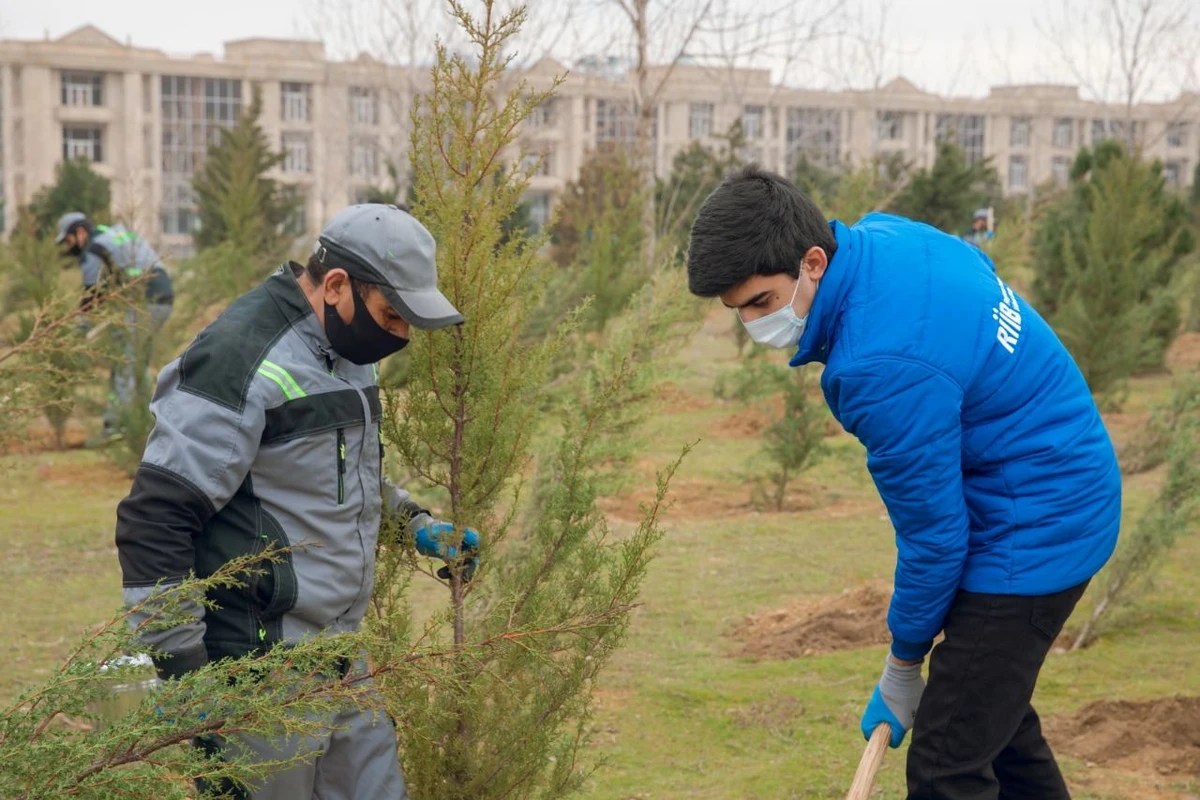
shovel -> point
(872, 757)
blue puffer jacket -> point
(981, 434)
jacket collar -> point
(830, 298)
(290, 299)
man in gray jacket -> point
(267, 433)
(111, 256)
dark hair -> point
(754, 223)
(316, 270)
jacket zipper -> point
(341, 465)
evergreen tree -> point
(695, 173)
(1110, 301)
(52, 363)
(76, 187)
(872, 186)
(1142, 551)
(607, 181)
(238, 204)
(494, 720)
(599, 226)
(946, 195)
(814, 179)
(1164, 224)
(792, 443)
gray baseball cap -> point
(68, 221)
(388, 247)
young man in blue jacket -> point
(983, 441)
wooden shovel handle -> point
(872, 758)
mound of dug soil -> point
(848, 621)
(1161, 736)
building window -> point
(194, 110)
(364, 158)
(1174, 171)
(295, 105)
(616, 122)
(1064, 132)
(296, 147)
(539, 209)
(1060, 167)
(1177, 134)
(543, 115)
(815, 133)
(82, 143)
(1018, 173)
(83, 88)
(364, 106)
(889, 126)
(752, 122)
(222, 102)
(700, 120)
(1114, 129)
(964, 129)
(1019, 131)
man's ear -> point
(335, 285)
(814, 263)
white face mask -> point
(780, 328)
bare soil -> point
(854, 619)
(1184, 352)
(68, 474)
(1157, 737)
(675, 400)
(745, 424)
(688, 499)
(39, 438)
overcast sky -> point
(945, 46)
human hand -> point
(894, 700)
(434, 538)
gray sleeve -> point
(90, 265)
(195, 459)
(399, 503)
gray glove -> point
(895, 700)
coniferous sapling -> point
(477, 423)
(1141, 552)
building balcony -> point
(83, 115)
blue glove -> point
(894, 700)
(432, 539)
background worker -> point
(111, 256)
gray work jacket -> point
(262, 436)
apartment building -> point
(145, 120)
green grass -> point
(678, 715)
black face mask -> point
(362, 340)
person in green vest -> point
(111, 256)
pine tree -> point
(607, 181)
(494, 720)
(76, 187)
(946, 195)
(1069, 215)
(1111, 300)
(598, 225)
(792, 443)
(238, 204)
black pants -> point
(976, 736)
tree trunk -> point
(645, 131)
